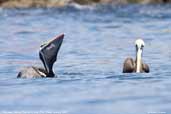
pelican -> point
(48, 54)
(137, 66)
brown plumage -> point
(138, 66)
(48, 54)
(32, 72)
(130, 66)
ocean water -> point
(89, 78)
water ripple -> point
(89, 76)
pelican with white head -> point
(136, 66)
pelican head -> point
(139, 43)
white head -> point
(139, 43)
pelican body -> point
(137, 66)
(48, 54)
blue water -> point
(89, 65)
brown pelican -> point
(136, 66)
(48, 54)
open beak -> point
(48, 52)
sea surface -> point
(89, 78)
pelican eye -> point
(142, 46)
(136, 46)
